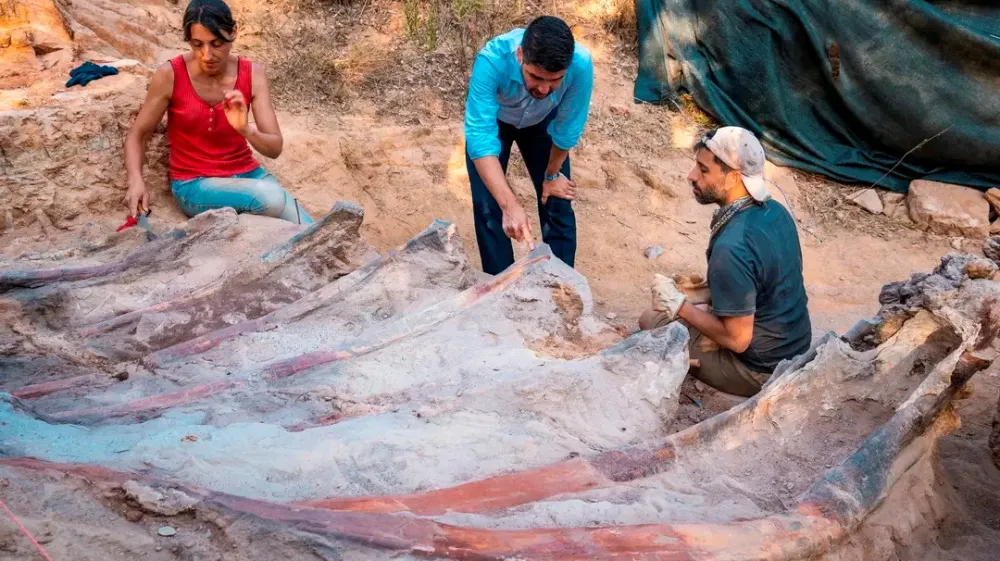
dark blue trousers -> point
(556, 216)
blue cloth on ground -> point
(88, 72)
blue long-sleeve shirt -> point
(497, 92)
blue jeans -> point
(255, 192)
(556, 216)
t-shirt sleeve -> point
(732, 282)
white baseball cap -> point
(741, 150)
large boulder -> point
(34, 35)
(66, 158)
(62, 150)
(951, 210)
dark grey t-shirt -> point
(755, 267)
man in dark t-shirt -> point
(758, 314)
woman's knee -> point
(269, 199)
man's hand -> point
(516, 226)
(666, 296)
(136, 197)
(235, 108)
(560, 187)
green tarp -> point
(841, 88)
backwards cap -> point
(741, 150)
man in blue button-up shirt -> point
(530, 86)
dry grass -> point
(463, 26)
(827, 205)
(300, 43)
(619, 19)
(410, 59)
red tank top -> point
(202, 143)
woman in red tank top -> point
(207, 95)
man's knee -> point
(651, 319)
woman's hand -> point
(136, 198)
(235, 108)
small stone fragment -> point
(8, 222)
(616, 109)
(868, 200)
(612, 316)
(991, 248)
(789, 486)
(166, 531)
(133, 515)
(700, 386)
(168, 502)
(981, 268)
(995, 227)
(781, 183)
(957, 243)
(895, 207)
(993, 197)
(654, 252)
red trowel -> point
(142, 219)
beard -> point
(708, 196)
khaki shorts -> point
(717, 367)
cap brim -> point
(757, 187)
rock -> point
(993, 197)
(783, 188)
(68, 154)
(867, 199)
(654, 252)
(166, 531)
(893, 198)
(133, 515)
(130, 65)
(700, 386)
(981, 268)
(167, 502)
(895, 207)
(612, 316)
(8, 222)
(62, 150)
(31, 29)
(991, 248)
(616, 109)
(956, 243)
(995, 228)
(948, 209)
(44, 222)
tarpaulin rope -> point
(25, 531)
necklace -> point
(723, 215)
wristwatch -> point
(553, 177)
